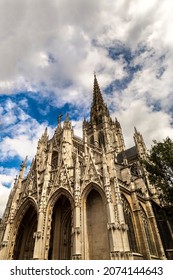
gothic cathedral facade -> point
(83, 198)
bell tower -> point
(101, 130)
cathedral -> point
(85, 198)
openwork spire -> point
(97, 96)
(98, 108)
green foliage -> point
(159, 164)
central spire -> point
(97, 96)
(98, 107)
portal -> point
(97, 227)
(60, 241)
(24, 243)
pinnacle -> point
(137, 133)
(24, 162)
(67, 118)
(45, 133)
(135, 129)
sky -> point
(49, 51)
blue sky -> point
(48, 53)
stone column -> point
(116, 224)
(122, 226)
(39, 234)
(76, 255)
(142, 240)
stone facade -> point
(83, 198)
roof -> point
(130, 154)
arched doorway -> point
(97, 227)
(60, 240)
(24, 243)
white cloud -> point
(20, 132)
(7, 175)
(23, 141)
(20, 146)
(38, 30)
(155, 124)
(57, 42)
(77, 126)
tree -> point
(159, 164)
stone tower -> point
(83, 198)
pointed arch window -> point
(54, 161)
(92, 140)
(147, 232)
(129, 222)
(98, 119)
(101, 139)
